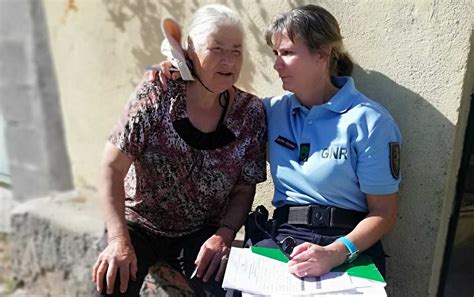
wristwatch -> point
(351, 247)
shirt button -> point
(310, 122)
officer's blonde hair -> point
(316, 27)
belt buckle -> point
(320, 216)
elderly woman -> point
(334, 154)
(179, 171)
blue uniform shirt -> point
(333, 153)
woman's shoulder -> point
(246, 100)
(146, 94)
(146, 88)
(247, 110)
(150, 94)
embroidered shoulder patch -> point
(395, 159)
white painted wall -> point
(412, 56)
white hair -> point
(208, 19)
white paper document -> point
(256, 274)
(376, 291)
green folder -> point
(361, 267)
(270, 253)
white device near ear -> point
(172, 49)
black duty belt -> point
(316, 215)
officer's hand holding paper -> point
(256, 274)
(314, 260)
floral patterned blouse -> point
(173, 189)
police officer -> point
(333, 152)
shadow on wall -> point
(249, 70)
(149, 16)
(428, 137)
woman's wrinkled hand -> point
(163, 72)
(308, 259)
(213, 256)
(119, 255)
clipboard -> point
(361, 267)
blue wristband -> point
(351, 247)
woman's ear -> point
(325, 51)
(190, 50)
(190, 44)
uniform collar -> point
(296, 105)
(340, 103)
(343, 99)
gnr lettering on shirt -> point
(334, 153)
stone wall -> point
(54, 245)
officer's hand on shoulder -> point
(163, 72)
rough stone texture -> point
(54, 243)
